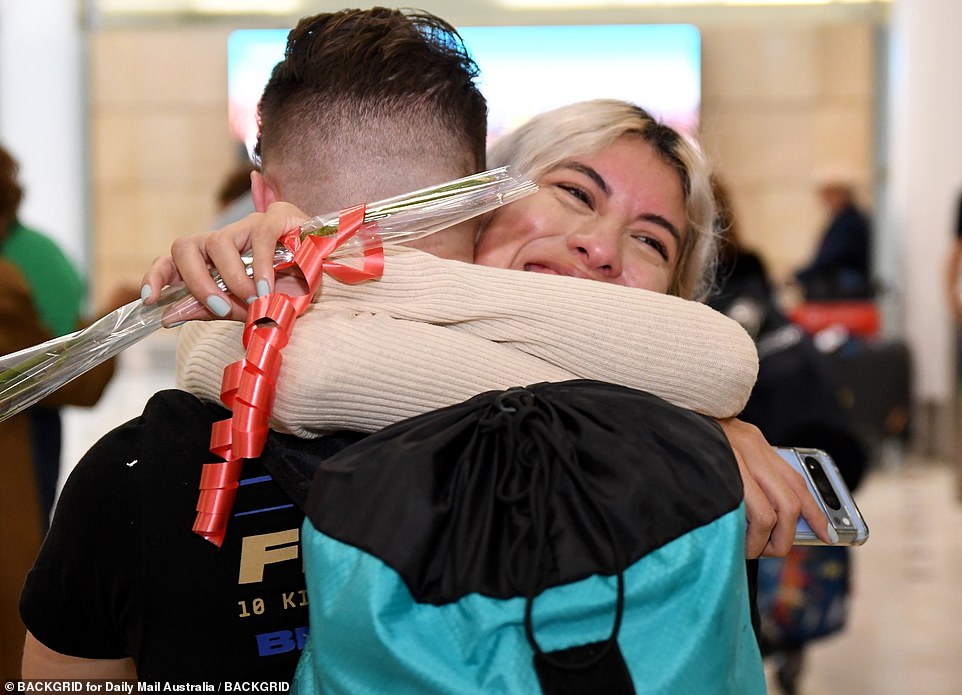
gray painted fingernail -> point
(832, 533)
(145, 292)
(218, 305)
(263, 288)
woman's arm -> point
(680, 350)
(345, 369)
(431, 333)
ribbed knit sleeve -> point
(433, 332)
(360, 371)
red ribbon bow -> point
(248, 385)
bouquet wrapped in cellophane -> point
(30, 374)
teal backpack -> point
(576, 537)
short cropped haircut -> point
(588, 127)
(398, 75)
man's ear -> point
(262, 191)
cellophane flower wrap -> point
(27, 376)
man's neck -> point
(455, 243)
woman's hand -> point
(775, 493)
(193, 256)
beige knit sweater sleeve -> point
(432, 332)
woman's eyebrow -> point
(590, 173)
(662, 222)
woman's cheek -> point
(491, 247)
(502, 238)
(649, 277)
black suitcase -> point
(874, 381)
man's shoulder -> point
(177, 405)
(122, 552)
(172, 411)
(173, 430)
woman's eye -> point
(654, 242)
(578, 193)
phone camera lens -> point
(822, 483)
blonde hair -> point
(587, 127)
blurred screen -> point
(525, 70)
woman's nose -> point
(599, 251)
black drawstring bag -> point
(561, 513)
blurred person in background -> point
(954, 296)
(58, 294)
(234, 199)
(954, 268)
(41, 296)
(803, 596)
(742, 289)
(22, 514)
(840, 268)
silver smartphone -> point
(832, 494)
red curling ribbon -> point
(229, 382)
(220, 440)
(248, 385)
(216, 476)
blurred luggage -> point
(859, 318)
(874, 382)
(798, 401)
(801, 598)
(873, 374)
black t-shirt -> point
(122, 574)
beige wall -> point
(780, 103)
(159, 143)
(781, 106)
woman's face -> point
(617, 216)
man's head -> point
(836, 195)
(367, 104)
(835, 187)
